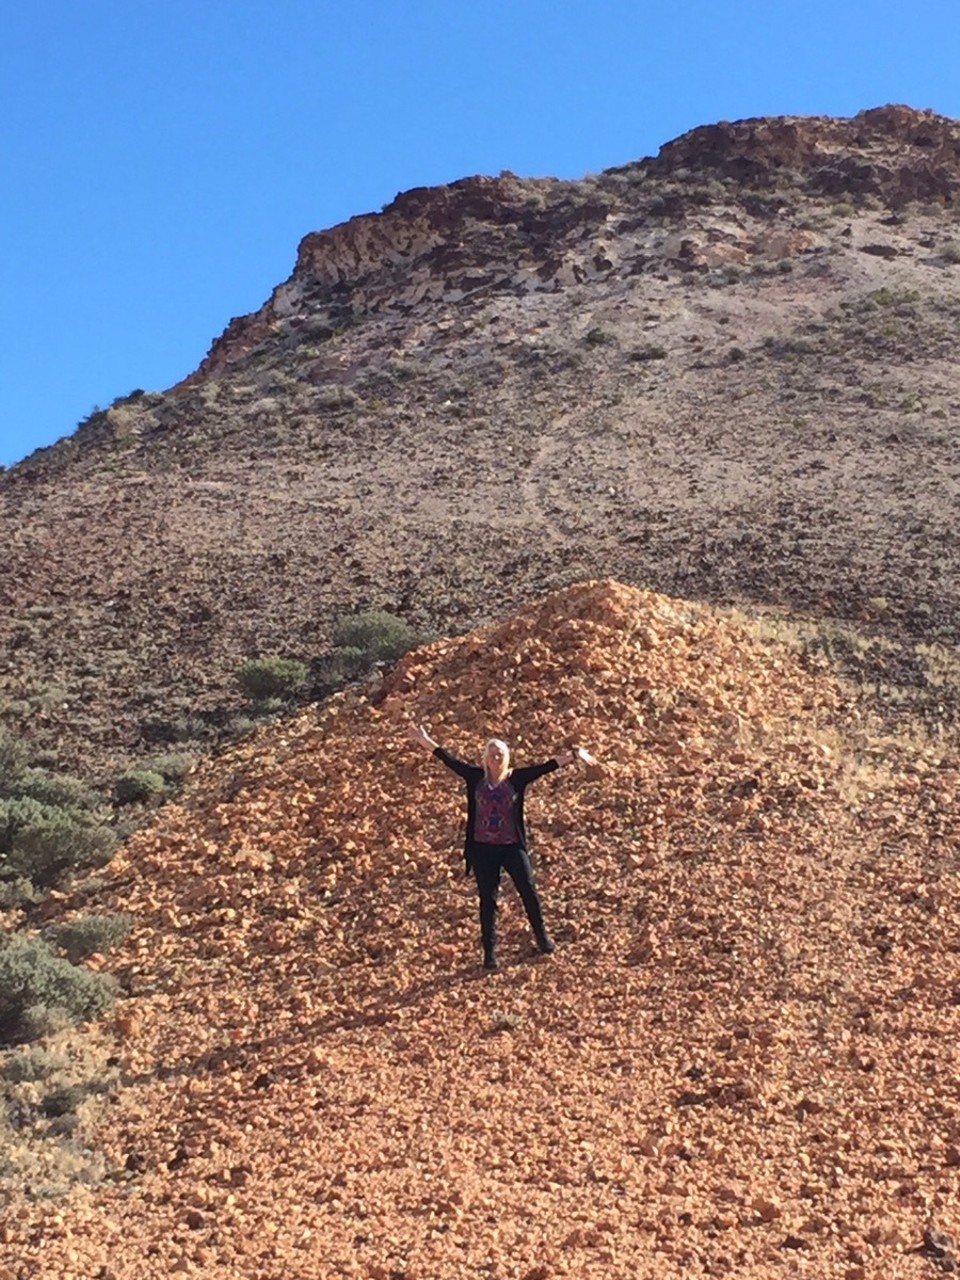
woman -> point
(496, 838)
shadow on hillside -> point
(260, 1053)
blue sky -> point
(161, 159)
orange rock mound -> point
(740, 1061)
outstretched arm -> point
(533, 771)
(419, 735)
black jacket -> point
(472, 776)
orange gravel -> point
(742, 1059)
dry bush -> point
(32, 976)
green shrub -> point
(44, 843)
(951, 252)
(238, 726)
(886, 297)
(174, 766)
(31, 976)
(270, 707)
(87, 935)
(348, 663)
(39, 1020)
(138, 785)
(272, 677)
(335, 397)
(56, 790)
(13, 758)
(18, 892)
(597, 337)
(376, 635)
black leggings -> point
(487, 861)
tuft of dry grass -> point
(50, 1097)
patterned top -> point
(494, 822)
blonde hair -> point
(498, 742)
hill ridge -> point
(737, 390)
(413, 250)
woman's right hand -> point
(419, 735)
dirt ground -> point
(741, 1059)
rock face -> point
(443, 244)
(484, 235)
(895, 153)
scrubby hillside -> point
(742, 1059)
(726, 372)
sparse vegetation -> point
(272, 677)
(335, 397)
(32, 977)
(651, 351)
(47, 1098)
(886, 297)
(86, 935)
(137, 786)
(183, 728)
(31, 1063)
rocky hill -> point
(726, 372)
(741, 1061)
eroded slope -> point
(741, 1060)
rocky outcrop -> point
(510, 235)
(431, 244)
(895, 153)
